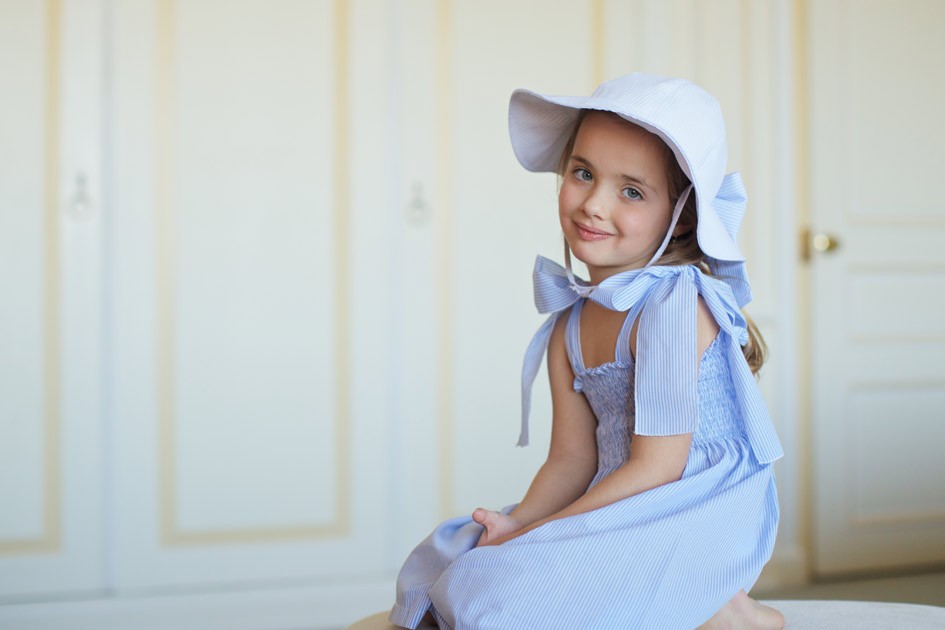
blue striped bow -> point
(555, 290)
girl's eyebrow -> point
(630, 178)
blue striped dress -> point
(666, 558)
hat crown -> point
(684, 115)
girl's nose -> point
(594, 206)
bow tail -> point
(536, 350)
(762, 437)
(734, 275)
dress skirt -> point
(669, 557)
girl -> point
(656, 507)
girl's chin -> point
(598, 267)
(591, 254)
(598, 262)
(586, 253)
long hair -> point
(682, 249)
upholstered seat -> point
(806, 615)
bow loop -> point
(554, 288)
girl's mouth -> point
(589, 234)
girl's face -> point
(614, 204)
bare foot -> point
(744, 613)
(497, 525)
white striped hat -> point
(685, 116)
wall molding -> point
(51, 538)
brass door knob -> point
(823, 242)
(819, 242)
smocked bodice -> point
(609, 391)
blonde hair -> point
(682, 249)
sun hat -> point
(686, 117)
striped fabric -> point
(666, 558)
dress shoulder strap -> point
(572, 337)
(622, 352)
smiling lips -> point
(589, 234)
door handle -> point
(820, 242)
(80, 204)
(824, 243)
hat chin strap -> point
(677, 211)
(580, 289)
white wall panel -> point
(411, 211)
(884, 149)
(254, 365)
(51, 526)
(874, 320)
(24, 276)
(881, 488)
(236, 392)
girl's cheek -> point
(565, 207)
(562, 219)
(566, 198)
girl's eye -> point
(632, 193)
(583, 174)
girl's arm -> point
(654, 460)
(572, 457)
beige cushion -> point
(805, 615)
(845, 615)
(379, 622)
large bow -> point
(555, 290)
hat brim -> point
(540, 126)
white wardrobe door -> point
(51, 525)
(250, 444)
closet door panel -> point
(235, 373)
(50, 328)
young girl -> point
(656, 507)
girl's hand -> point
(497, 525)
